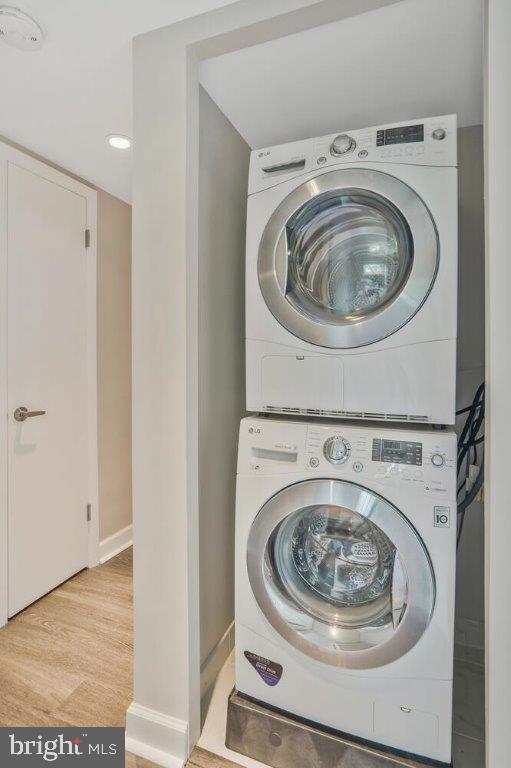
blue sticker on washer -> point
(270, 671)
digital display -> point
(397, 452)
(402, 135)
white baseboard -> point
(216, 659)
(160, 738)
(115, 544)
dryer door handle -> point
(399, 592)
(280, 263)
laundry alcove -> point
(211, 338)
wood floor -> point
(67, 659)
(201, 758)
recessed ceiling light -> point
(118, 141)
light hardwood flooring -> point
(132, 761)
(201, 758)
(67, 659)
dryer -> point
(345, 578)
(351, 274)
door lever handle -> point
(22, 413)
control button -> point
(321, 160)
(314, 461)
(438, 460)
(363, 153)
(406, 474)
(417, 475)
(342, 144)
(336, 449)
(438, 134)
(358, 466)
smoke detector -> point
(20, 30)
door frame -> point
(9, 154)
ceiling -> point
(62, 101)
(411, 59)
(415, 58)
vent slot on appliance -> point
(369, 415)
(293, 165)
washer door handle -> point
(399, 591)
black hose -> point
(468, 453)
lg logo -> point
(254, 431)
(442, 517)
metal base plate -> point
(280, 741)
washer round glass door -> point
(348, 258)
(340, 573)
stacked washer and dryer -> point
(346, 490)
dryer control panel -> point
(421, 459)
(427, 141)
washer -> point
(345, 577)
(351, 274)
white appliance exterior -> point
(406, 704)
(410, 375)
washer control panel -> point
(423, 459)
(426, 460)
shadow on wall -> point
(469, 636)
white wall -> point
(223, 161)
(470, 566)
(114, 364)
(426, 54)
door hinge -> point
(87, 238)
(89, 512)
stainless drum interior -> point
(340, 573)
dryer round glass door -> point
(340, 573)
(348, 258)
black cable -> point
(468, 454)
(474, 420)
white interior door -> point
(47, 371)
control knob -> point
(438, 460)
(439, 134)
(336, 449)
(342, 144)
